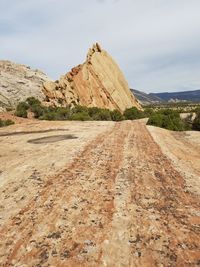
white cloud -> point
(155, 42)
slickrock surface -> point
(111, 197)
(18, 82)
(98, 82)
(184, 146)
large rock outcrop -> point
(17, 82)
(98, 82)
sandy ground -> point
(96, 194)
(10, 116)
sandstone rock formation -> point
(97, 82)
(17, 82)
(115, 196)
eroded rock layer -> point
(98, 82)
(18, 82)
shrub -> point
(102, 115)
(80, 116)
(21, 110)
(79, 109)
(6, 122)
(93, 111)
(168, 119)
(196, 123)
(38, 110)
(116, 115)
(63, 113)
(51, 113)
(148, 112)
(155, 120)
(49, 116)
(79, 113)
(133, 114)
(32, 101)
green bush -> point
(38, 110)
(102, 115)
(168, 119)
(148, 112)
(197, 110)
(76, 113)
(32, 101)
(133, 114)
(79, 109)
(49, 116)
(93, 111)
(57, 114)
(116, 115)
(196, 123)
(80, 116)
(6, 122)
(21, 110)
(63, 113)
(155, 120)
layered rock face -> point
(18, 82)
(96, 83)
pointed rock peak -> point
(95, 48)
(98, 82)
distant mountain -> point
(145, 98)
(152, 98)
(193, 96)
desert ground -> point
(98, 194)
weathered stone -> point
(97, 82)
(18, 82)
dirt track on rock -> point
(118, 202)
(183, 148)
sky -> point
(156, 43)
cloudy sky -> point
(155, 42)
